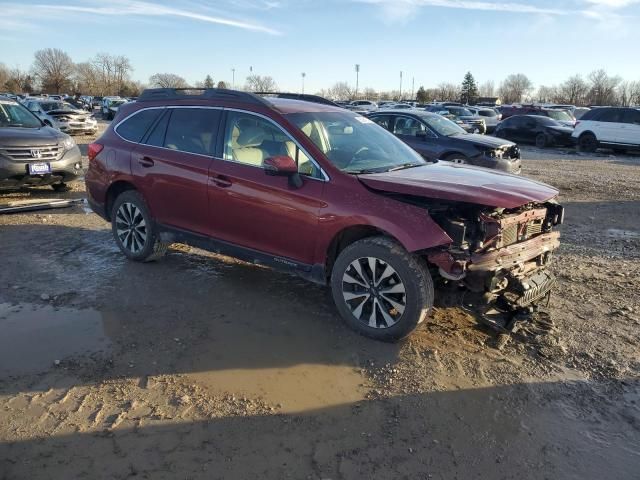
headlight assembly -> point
(68, 143)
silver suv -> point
(63, 116)
(34, 154)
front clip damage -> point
(510, 284)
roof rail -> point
(299, 96)
(151, 94)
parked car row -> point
(330, 195)
(62, 115)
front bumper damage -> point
(508, 277)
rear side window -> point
(631, 116)
(487, 113)
(193, 130)
(135, 127)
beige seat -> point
(248, 146)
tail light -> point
(94, 150)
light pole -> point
(233, 78)
(413, 88)
(400, 99)
(357, 78)
(303, 75)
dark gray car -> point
(33, 154)
(437, 138)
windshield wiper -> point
(404, 166)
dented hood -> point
(446, 181)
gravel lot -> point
(201, 366)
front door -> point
(415, 134)
(251, 209)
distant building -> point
(489, 101)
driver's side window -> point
(250, 140)
(409, 126)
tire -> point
(457, 158)
(61, 187)
(397, 297)
(588, 142)
(541, 140)
(134, 230)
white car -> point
(491, 116)
(362, 106)
(613, 127)
(106, 102)
(63, 116)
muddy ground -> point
(200, 366)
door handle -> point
(146, 162)
(221, 181)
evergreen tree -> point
(469, 90)
(208, 82)
(421, 95)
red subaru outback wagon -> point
(324, 193)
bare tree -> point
(19, 81)
(341, 91)
(602, 89)
(448, 92)
(370, 94)
(548, 94)
(167, 80)
(221, 84)
(4, 76)
(259, 83)
(574, 91)
(488, 89)
(515, 88)
(54, 68)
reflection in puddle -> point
(33, 337)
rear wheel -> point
(381, 290)
(541, 140)
(588, 142)
(134, 230)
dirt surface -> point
(200, 366)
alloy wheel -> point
(131, 227)
(374, 292)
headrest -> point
(251, 137)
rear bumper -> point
(15, 174)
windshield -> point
(51, 106)
(354, 143)
(15, 115)
(442, 126)
(116, 103)
(560, 115)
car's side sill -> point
(314, 273)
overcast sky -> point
(430, 40)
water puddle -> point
(34, 337)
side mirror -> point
(283, 166)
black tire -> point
(140, 243)
(409, 288)
(588, 142)
(541, 140)
(61, 187)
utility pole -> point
(400, 99)
(357, 78)
(303, 75)
(233, 78)
(413, 88)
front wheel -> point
(381, 290)
(134, 230)
(541, 140)
(588, 142)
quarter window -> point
(135, 127)
(193, 130)
(631, 116)
(250, 140)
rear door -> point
(607, 128)
(630, 130)
(172, 166)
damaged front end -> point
(501, 255)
